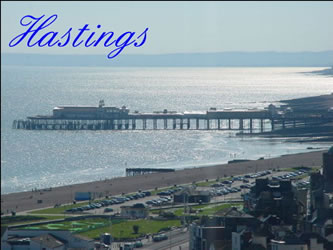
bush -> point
(136, 229)
(165, 229)
(168, 215)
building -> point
(138, 210)
(328, 170)
(316, 241)
(288, 243)
(82, 196)
(190, 195)
(47, 242)
(236, 220)
(227, 230)
(206, 238)
(272, 197)
(89, 112)
(321, 199)
(241, 240)
(16, 238)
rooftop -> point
(234, 212)
(48, 240)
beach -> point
(24, 201)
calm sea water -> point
(41, 159)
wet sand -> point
(24, 201)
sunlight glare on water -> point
(40, 159)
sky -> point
(181, 27)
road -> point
(175, 239)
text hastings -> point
(35, 26)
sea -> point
(42, 159)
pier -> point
(112, 118)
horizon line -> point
(171, 53)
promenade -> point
(60, 195)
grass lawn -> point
(207, 209)
(76, 225)
(58, 210)
(124, 229)
(206, 183)
(215, 209)
(26, 219)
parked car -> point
(108, 209)
(128, 246)
(164, 193)
(147, 193)
(160, 237)
(138, 244)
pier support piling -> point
(251, 126)
(241, 125)
(144, 124)
(165, 124)
(155, 124)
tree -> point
(136, 228)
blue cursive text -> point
(37, 33)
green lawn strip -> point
(75, 225)
(26, 219)
(213, 210)
(207, 209)
(124, 230)
(58, 210)
(157, 211)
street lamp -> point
(170, 239)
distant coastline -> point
(327, 72)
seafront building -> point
(190, 195)
(278, 216)
(12, 239)
(138, 210)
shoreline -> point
(194, 165)
(24, 201)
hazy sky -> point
(182, 27)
